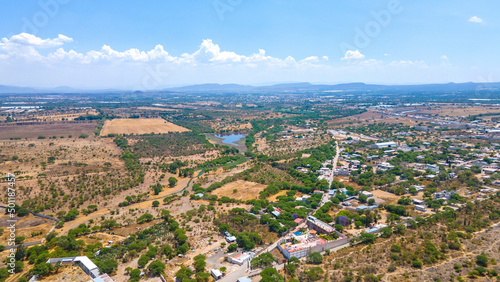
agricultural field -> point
(140, 126)
(47, 130)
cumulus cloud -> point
(26, 39)
(475, 19)
(350, 55)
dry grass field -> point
(140, 126)
(245, 190)
(458, 110)
(49, 129)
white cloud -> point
(325, 58)
(349, 55)
(26, 39)
(475, 19)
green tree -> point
(270, 274)
(156, 267)
(172, 181)
(315, 258)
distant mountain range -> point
(277, 88)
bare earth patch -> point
(140, 126)
(245, 190)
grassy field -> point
(245, 190)
(140, 126)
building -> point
(244, 279)
(384, 166)
(216, 274)
(86, 265)
(318, 225)
(431, 167)
(420, 208)
(366, 193)
(240, 259)
(418, 202)
(384, 145)
(308, 243)
(445, 195)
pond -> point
(231, 139)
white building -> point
(385, 166)
(241, 258)
(366, 193)
(216, 274)
(384, 145)
(420, 208)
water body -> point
(231, 139)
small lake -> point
(231, 139)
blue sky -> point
(155, 44)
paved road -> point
(25, 244)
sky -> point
(154, 44)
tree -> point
(199, 263)
(362, 198)
(156, 204)
(143, 260)
(366, 238)
(21, 252)
(135, 274)
(172, 181)
(315, 258)
(108, 266)
(232, 247)
(265, 259)
(270, 274)
(156, 267)
(371, 202)
(183, 273)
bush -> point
(416, 264)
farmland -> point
(140, 126)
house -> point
(240, 259)
(366, 193)
(275, 213)
(216, 274)
(244, 279)
(384, 166)
(87, 266)
(419, 187)
(384, 145)
(489, 170)
(446, 195)
(332, 192)
(342, 171)
(231, 239)
(355, 162)
(418, 202)
(420, 208)
(431, 167)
